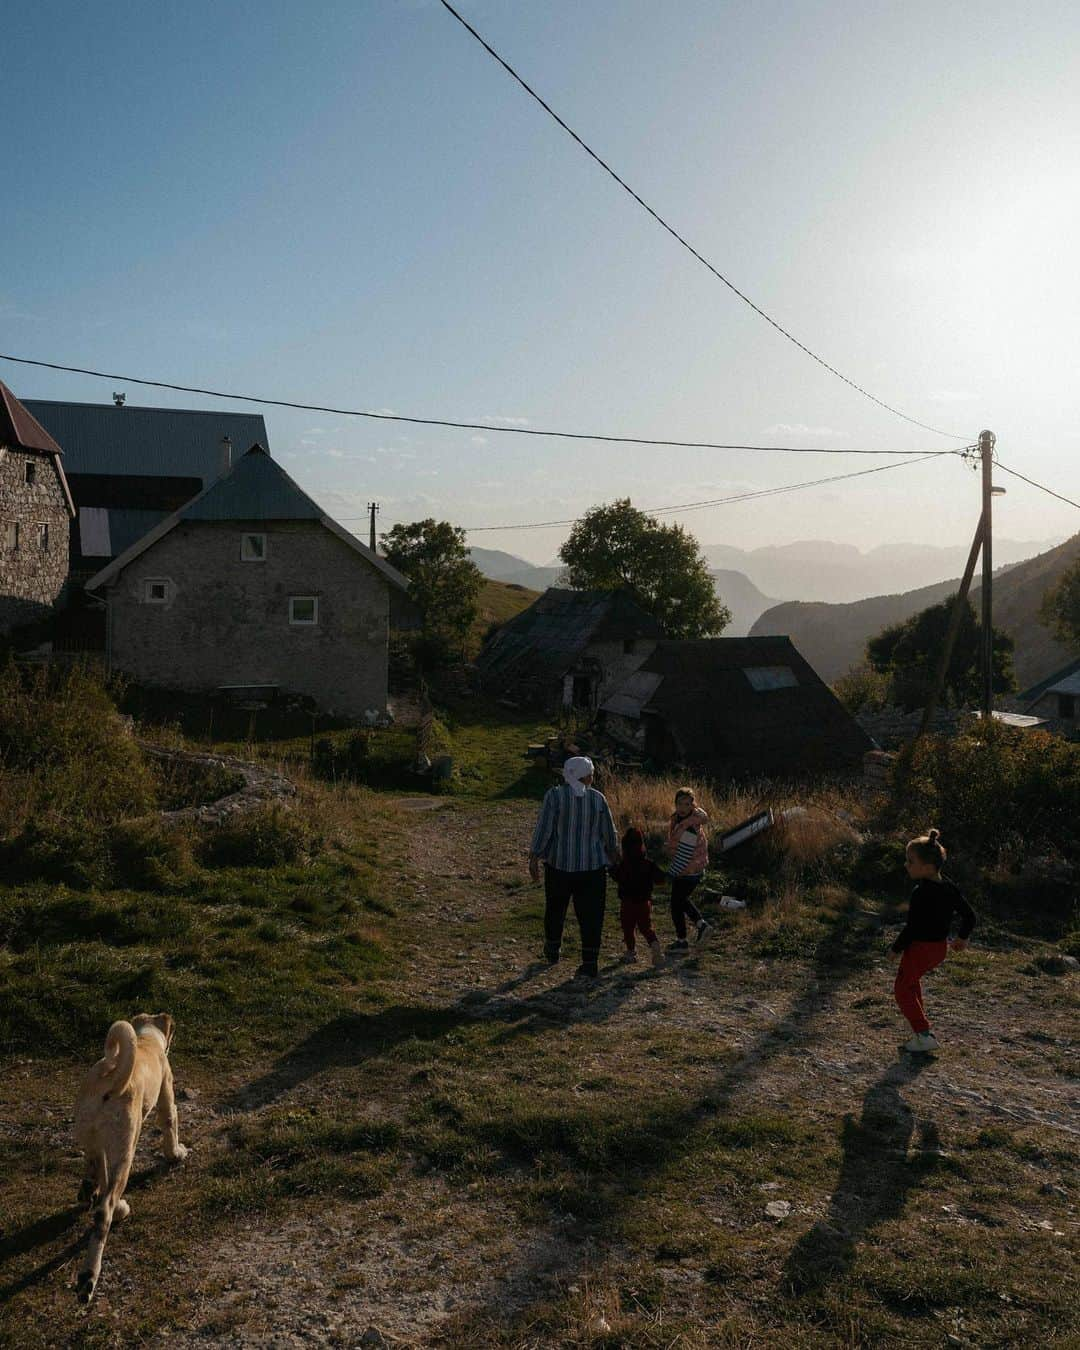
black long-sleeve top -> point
(930, 913)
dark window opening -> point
(628, 645)
(1066, 705)
(30, 469)
(582, 697)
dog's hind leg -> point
(168, 1121)
(95, 1180)
(110, 1206)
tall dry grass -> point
(820, 818)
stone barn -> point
(35, 512)
(733, 708)
(569, 649)
(251, 585)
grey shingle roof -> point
(167, 442)
(546, 639)
(256, 488)
(718, 720)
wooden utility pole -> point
(986, 451)
(959, 605)
(373, 511)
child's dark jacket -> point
(930, 913)
(636, 877)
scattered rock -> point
(1058, 965)
(778, 1210)
(187, 1094)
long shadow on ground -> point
(876, 1177)
(355, 1037)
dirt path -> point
(403, 1269)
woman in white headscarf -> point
(575, 840)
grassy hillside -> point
(499, 601)
(405, 1130)
(833, 637)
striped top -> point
(575, 834)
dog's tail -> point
(120, 1047)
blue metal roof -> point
(155, 442)
(257, 488)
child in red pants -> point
(924, 940)
(636, 875)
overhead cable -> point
(718, 501)
(1041, 486)
(683, 241)
(445, 422)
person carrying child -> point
(636, 875)
(688, 845)
(924, 940)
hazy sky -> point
(350, 203)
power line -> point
(718, 501)
(444, 422)
(680, 239)
(1041, 486)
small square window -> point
(43, 537)
(253, 548)
(155, 592)
(304, 609)
(11, 535)
(30, 470)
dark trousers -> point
(682, 907)
(588, 892)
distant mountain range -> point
(833, 637)
(840, 573)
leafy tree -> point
(444, 584)
(618, 546)
(908, 654)
(1060, 609)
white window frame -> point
(245, 556)
(148, 584)
(313, 622)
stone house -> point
(130, 467)
(569, 649)
(733, 708)
(252, 586)
(35, 511)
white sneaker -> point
(922, 1043)
(704, 932)
(658, 957)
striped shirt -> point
(574, 834)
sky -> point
(349, 203)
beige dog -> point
(118, 1094)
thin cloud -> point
(800, 429)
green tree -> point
(1060, 609)
(618, 546)
(862, 689)
(908, 654)
(444, 584)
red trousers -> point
(636, 914)
(916, 961)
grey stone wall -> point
(618, 665)
(31, 577)
(226, 622)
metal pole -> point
(986, 451)
(959, 605)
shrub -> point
(58, 851)
(267, 837)
(69, 752)
(862, 689)
(149, 856)
(992, 786)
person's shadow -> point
(876, 1176)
